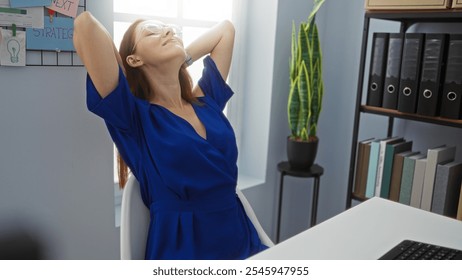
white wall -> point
(257, 86)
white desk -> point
(367, 231)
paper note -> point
(66, 7)
(29, 3)
(27, 17)
(56, 35)
(13, 48)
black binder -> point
(410, 72)
(452, 87)
(429, 99)
(392, 74)
(377, 70)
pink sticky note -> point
(66, 7)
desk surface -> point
(367, 231)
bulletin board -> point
(50, 44)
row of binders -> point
(417, 73)
(430, 180)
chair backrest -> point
(251, 214)
(135, 218)
(134, 222)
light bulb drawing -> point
(14, 47)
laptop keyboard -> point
(414, 250)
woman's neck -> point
(167, 88)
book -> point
(392, 74)
(410, 72)
(451, 104)
(377, 69)
(372, 168)
(396, 174)
(434, 157)
(429, 98)
(362, 161)
(459, 208)
(447, 188)
(390, 151)
(367, 152)
(407, 178)
(418, 182)
(380, 164)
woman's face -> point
(156, 42)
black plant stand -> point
(314, 172)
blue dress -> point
(187, 182)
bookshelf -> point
(406, 19)
(414, 117)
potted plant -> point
(306, 92)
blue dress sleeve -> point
(119, 108)
(121, 112)
(213, 85)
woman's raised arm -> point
(96, 49)
(219, 43)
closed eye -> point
(156, 33)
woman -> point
(173, 137)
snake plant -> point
(306, 85)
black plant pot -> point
(301, 155)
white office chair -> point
(135, 222)
(251, 214)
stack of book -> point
(390, 168)
(417, 73)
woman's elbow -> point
(81, 24)
(82, 21)
(85, 28)
(229, 27)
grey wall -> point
(56, 160)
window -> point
(194, 17)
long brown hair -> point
(140, 88)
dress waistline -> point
(209, 205)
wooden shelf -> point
(417, 15)
(408, 116)
(358, 198)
